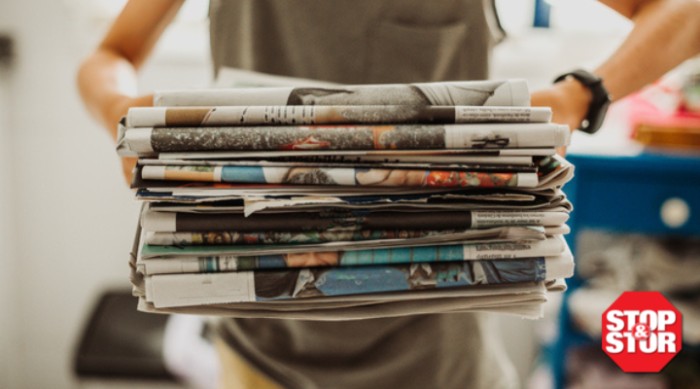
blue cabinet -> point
(652, 194)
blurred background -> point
(66, 217)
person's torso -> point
(355, 41)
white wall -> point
(8, 260)
(71, 232)
(9, 320)
(75, 218)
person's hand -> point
(113, 115)
(569, 101)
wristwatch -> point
(599, 103)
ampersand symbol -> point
(640, 331)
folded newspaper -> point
(348, 202)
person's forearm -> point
(666, 33)
(107, 83)
(107, 78)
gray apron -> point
(354, 42)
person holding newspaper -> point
(353, 42)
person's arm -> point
(666, 32)
(107, 78)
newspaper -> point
(260, 200)
(333, 202)
(343, 176)
(215, 262)
(333, 235)
(523, 156)
(557, 230)
(553, 172)
(467, 249)
(316, 114)
(447, 247)
(547, 185)
(279, 204)
(509, 196)
(529, 166)
(474, 93)
(524, 300)
(185, 289)
(380, 220)
(284, 205)
(174, 290)
(324, 204)
(144, 142)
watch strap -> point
(599, 102)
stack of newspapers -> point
(348, 202)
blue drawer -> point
(652, 194)
(627, 195)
